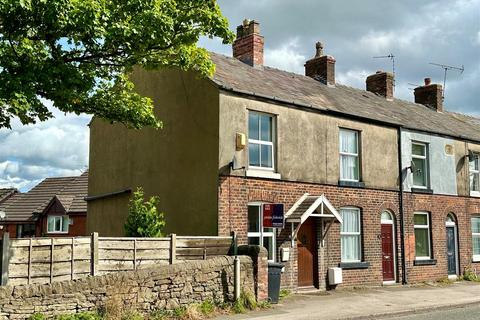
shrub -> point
(143, 219)
(207, 307)
(470, 275)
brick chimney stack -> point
(381, 83)
(248, 47)
(430, 95)
(321, 67)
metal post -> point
(237, 278)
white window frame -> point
(263, 234)
(476, 257)
(426, 168)
(262, 142)
(359, 234)
(63, 219)
(474, 172)
(348, 154)
(429, 235)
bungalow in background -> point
(54, 208)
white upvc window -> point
(349, 155)
(257, 234)
(421, 222)
(57, 224)
(351, 235)
(475, 175)
(420, 164)
(261, 133)
(476, 238)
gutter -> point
(108, 195)
(340, 114)
(401, 208)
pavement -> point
(374, 303)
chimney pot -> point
(321, 67)
(248, 47)
(381, 83)
(430, 95)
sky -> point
(415, 32)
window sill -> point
(354, 265)
(475, 194)
(426, 262)
(421, 190)
(355, 184)
(263, 174)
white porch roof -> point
(312, 206)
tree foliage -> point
(78, 54)
(143, 219)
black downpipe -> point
(400, 202)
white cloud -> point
(30, 153)
(286, 57)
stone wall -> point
(162, 287)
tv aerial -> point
(447, 68)
(392, 58)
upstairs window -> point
(475, 174)
(350, 235)
(420, 164)
(57, 224)
(260, 141)
(422, 229)
(476, 238)
(349, 156)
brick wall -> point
(463, 208)
(236, 192)
(162, 287)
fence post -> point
(135, 254)
(173, 248)
(94, 252)
(52, 249)
(30, 249)
(5, 258)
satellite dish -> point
(412, 166)
(471, 155)
(2, 215)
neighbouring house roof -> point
(6, 193)
(70, 191)
(286, 87)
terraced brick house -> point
(54, 208)
(385, 189)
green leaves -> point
(143, 219)
(78, 54)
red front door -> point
(388, 257)
(307, 254)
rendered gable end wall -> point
(442, 167)
(179, 163)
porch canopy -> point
(312, 206)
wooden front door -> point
(388, 256)
(307, 254)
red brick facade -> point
(235, 193)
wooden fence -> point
(46, 260)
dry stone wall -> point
(162, 287)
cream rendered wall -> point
(308, 143)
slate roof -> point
(234, 75)
(69, 190)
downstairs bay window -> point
(257, 234)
